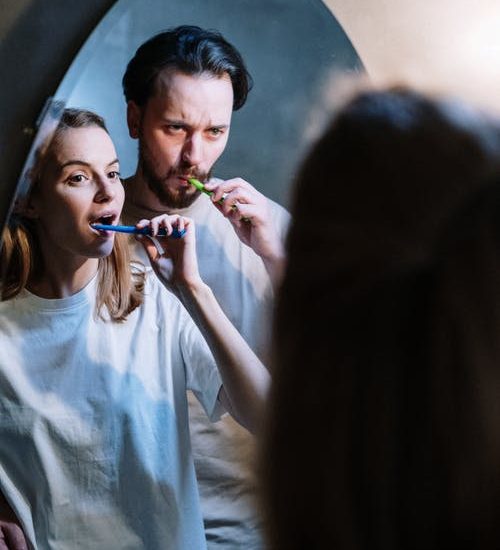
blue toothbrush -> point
(176, 234)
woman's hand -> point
(244, 378)
(11, 534)
(173, 259)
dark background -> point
(38, 41)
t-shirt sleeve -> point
(282, 219)
(202, 375)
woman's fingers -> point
(164, 222)
(150, 247)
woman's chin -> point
(103, 250)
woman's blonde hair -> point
(119, 290)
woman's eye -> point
(77, 179)
(114, 175)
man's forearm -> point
(275, 267)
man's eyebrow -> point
(184, 124)
(175, 122)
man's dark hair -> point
(188, 49)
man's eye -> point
(114, 174)
(175, 128)
(216, 131)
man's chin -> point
(171, 192)
(176, 200)
(184, 201)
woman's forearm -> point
(245, 379)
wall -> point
(442, 45)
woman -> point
(384, 430)
(95, 360)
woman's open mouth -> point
(105, 219)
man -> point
(181, 88)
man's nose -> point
(192, 152)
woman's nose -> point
(105, 190)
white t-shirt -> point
(94, 440)
(223, 452)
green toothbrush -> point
(201, 187)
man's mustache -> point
(190, 173)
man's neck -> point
(141, 202)
(139, 196)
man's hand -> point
(249, 212)
(251, 216)
(11, 533)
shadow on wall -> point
(38, 42)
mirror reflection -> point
(187, 111)
(290, 48)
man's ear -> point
(133, 119)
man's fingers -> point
(225, 187)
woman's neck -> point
(61, 279)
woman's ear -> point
(26, 207)
(133, 119)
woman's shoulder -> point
(162, 299)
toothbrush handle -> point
(176, 234)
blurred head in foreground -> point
(384, 429)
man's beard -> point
(181, 197)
